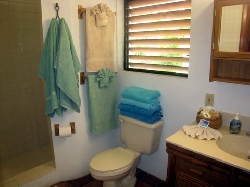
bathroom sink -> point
(235, 145)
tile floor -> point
(143, 180)
(26, 167)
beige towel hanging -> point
(100, 41)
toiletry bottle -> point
(235, 125)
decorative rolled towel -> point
(152, 119)
(141, 94)
(147, 106)
(104, 77)
(140, 111)
(103, 102)
(101, 11)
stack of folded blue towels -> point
(141, 104)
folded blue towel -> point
(140, 111)
(147, 106)
(152, 119)
(140, 94)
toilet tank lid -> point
(146, 125)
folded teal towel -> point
(103, 105)
(67, 66)
(152, 119)
(140, 111)
(147, 106)
(59, 67)
(141, 94)
(47, 71)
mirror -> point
(230, 54)
(230, 41)
(232, 32)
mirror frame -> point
(217, 30)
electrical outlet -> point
(209, 100)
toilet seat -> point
(112, 162)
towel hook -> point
(57, 9)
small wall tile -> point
(23, 94)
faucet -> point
(248, 133)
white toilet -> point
(116, 167)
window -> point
(157, 36)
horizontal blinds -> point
(157, 42)
(159, 67)
(158, 34)
(161, 50)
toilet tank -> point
(139, 136)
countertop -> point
(209, 148)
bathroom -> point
(180, 97)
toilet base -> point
(118, 183)
(130, 179)
(115, 183)
(131, 183)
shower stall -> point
(24, 127)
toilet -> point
(117, 167)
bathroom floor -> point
(23, 168)
(143, 180)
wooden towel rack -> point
(83, 78)
(81, 10)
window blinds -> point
(157, 35)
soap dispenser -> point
(235, 125)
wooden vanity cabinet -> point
(240, 178)
(190, 169)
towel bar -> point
(81, 10)
(83, 78)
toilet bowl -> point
(115, 167)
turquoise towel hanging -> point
(103, 102)
(67, 66)
(59, 68)
(46, 69)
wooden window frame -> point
(150, 68)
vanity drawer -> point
(209, 176)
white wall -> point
(180, 97)
(73, 154)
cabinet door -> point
(199, 174)
(183, 180)
(243, 179)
